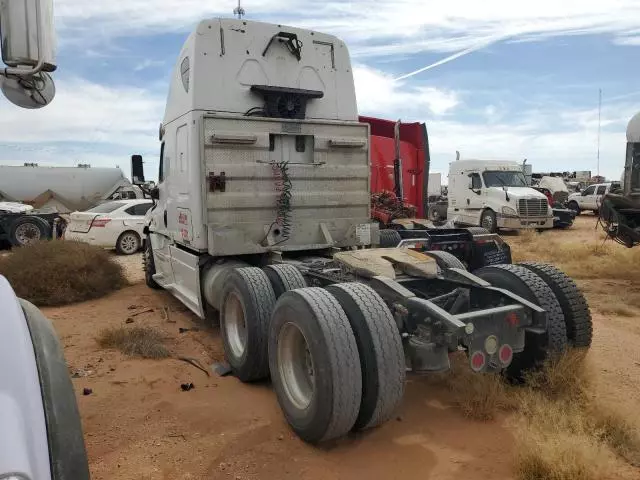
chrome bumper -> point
(504, 221)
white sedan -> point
(115, 224)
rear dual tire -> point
(573, 303)
(315, 369)
(248, 301)
(335, 356)
(530, 286)
(349, 331)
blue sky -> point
(528, 89)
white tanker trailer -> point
(52, 191)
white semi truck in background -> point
(41, 430)
(494, 194)
(262, 220)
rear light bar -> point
(99, 222)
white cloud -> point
(628, 40)
(394, 26)
(85, 112)
(148, 63)
(555, 137)
(377, 92)
(90, 123)
(85, 123)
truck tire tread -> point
(338, 342)
(149, 265)
(254, 288)
(573, 303)
(445, 259)
(284, 277)
(381, 353)
(537, 348)
(389, 238)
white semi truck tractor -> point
(41, 432)
(262, 220)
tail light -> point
(506, 354)
(478, 361)
(100, 222)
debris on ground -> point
(195, 362)
(87, 391)
(187, 386)
(192, 329)
(223, 369)
(167, 317)
(80, 372)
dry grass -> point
(560, 456)
(613, 429)
(142, 342)
(478, 396)
(563, 433)
(565, 377)
(568, 433)
(60, 272)
(592, 259)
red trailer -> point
(391, 140)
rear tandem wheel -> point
(247, 303)
(574, 306)
(525, 283)
(314, 364)
(381, 353)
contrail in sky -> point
(484, 43)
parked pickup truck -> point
(591, 197)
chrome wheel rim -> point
(129, 243)
(27, 233)
(295, 366)
(235, 325)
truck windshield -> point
(502, 178)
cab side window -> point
(590, 190)
(602, 190)
(164, 171)
(476, 181)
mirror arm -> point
(40, 65)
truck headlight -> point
(509, 211)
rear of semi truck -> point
(262, 220)
(253, 109)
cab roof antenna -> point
(239, 11)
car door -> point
(587, 200)
(600, 193)
(475, 201)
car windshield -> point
(504, 178)
(106, 207)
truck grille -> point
(532, 207)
